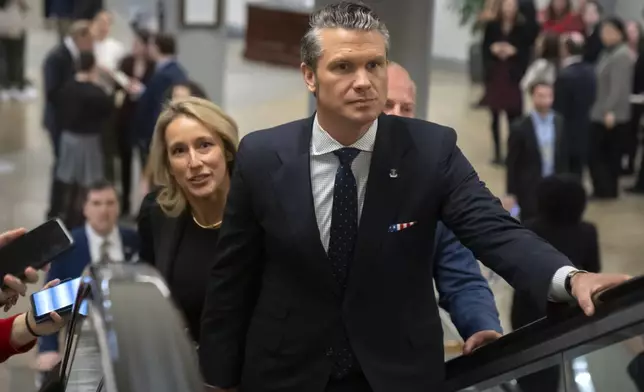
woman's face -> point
(591, 15)
(196, 156)
(633, 32)
(509, 9)
(610, 35)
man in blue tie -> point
(463, 291)
(535, 149)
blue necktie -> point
(342, 242)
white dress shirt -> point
(109, 53)
(95, 241)
(324, 164)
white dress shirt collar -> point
(95, 241)
(322, 143)
(71, 46)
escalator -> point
(134, 340)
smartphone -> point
(59, 299)
(35, 248)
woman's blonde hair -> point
(171, 198)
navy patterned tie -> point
(342, 242)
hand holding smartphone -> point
(35, 248)
(58, 299)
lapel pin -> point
(393, 173)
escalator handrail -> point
(565, 329)
(111, 331)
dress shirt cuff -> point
(558, 292)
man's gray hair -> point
(343, 15)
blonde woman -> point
(191, 159)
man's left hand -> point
(480, 339)
(586, 285)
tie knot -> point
(346, 155)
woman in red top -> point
(560, 17)
(18, 334)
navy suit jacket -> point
(70, 265)
(152, 100)
(274, 313)
(463, 291)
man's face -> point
(401, 95)
(351, 76)
(101, 210)
(542, 98)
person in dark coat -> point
(561, 206)
(575, 90)
(536, 149)
(591, 15)
(139, 67)
(506, 55)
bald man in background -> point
(463, 291)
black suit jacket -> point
(575, 90)
(524, 165)
(273, 307)
(579, 242)
(58, 69)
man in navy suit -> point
(163, 50)
(322, 276)
(463, 291)
(99, 240)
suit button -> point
(329, 352)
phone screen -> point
(34, 249)
(57, 299)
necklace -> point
(209, 227)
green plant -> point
(467, 10)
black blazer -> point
(160, 235)
(273, 307)
(524, 165)
(579, 242)
(575, 90)
(58, 69)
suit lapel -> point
(391, 177)
(292, 182)
(171, 232)
(532, 140)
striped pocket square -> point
(401, 226)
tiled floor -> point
(260, 96)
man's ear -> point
(309, 77)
